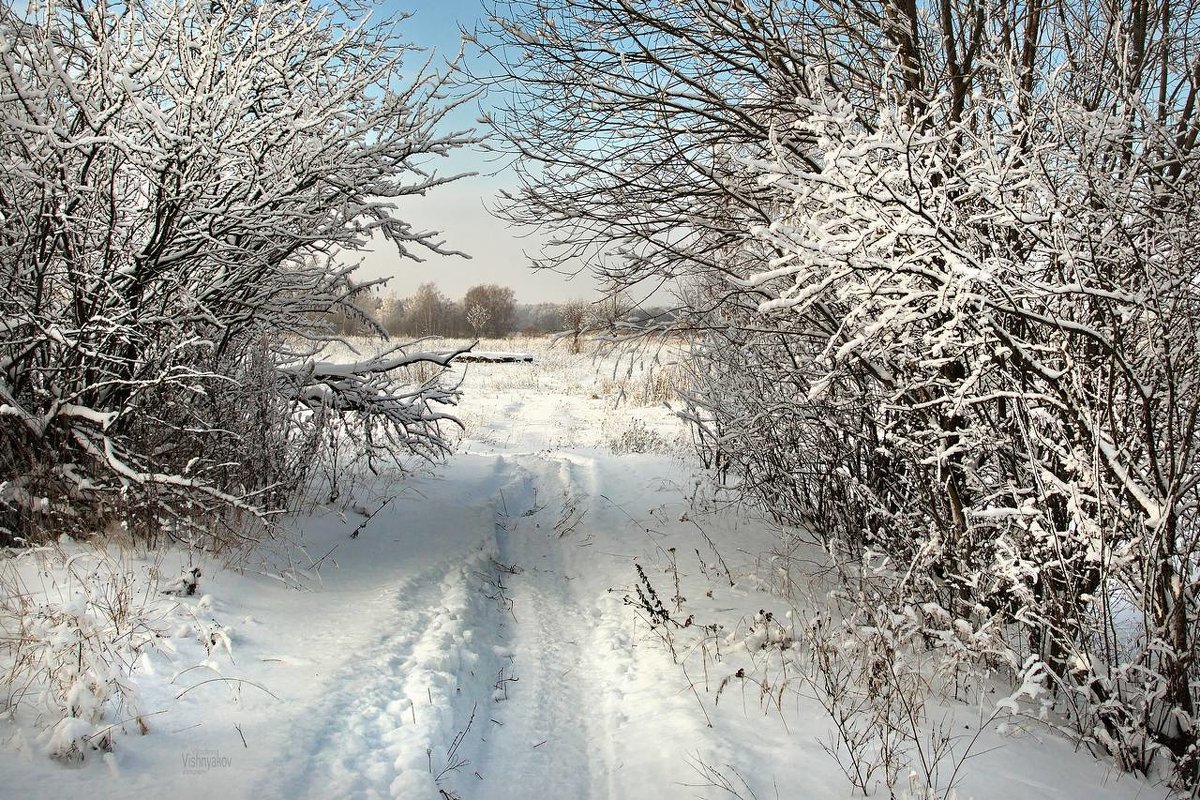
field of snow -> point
(563, 610)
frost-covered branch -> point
(178, 179)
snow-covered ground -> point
(483, 636)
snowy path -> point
(395, 695)
(366, 736)
(549, 718)
(475, 642)
(517, 646)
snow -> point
(480, 638)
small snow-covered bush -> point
(635, 436)
(72, 626)
(877, 671)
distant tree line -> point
(487, 310)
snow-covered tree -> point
(477, 318)
(181, 182)
(574, 317)
(942, 257)
(1015, 332)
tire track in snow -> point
(395, 705)
(599, 710)
(374, 727)
(546, 746)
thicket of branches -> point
(177, 178)
(940, 258)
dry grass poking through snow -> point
(77, 625)
(632, 390)
(72, 624)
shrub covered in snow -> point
(72, 625)
(178, 179)
(941, 264)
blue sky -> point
(458, 210)
(437, 26)
(435, 23)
